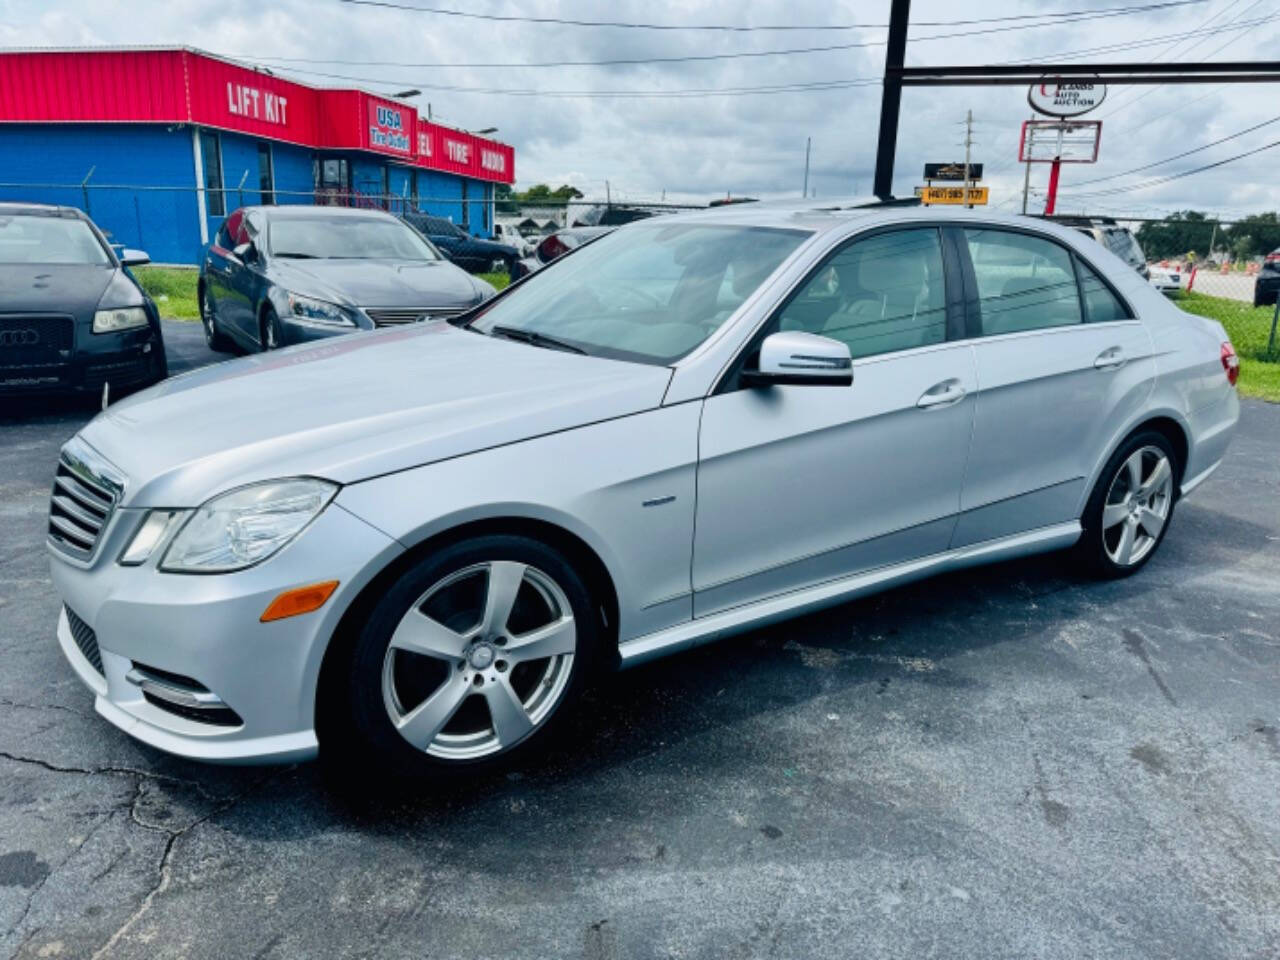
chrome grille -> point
(80, 507)
(394, 316)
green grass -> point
(499, 280)
(173, 289)
(1248, 327)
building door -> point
(266, 175)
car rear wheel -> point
(1132, 503)
(471, 657)
(213, 337)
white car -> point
(416, 547)
(507, 233)
(1165, 279)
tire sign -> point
(1056, 99)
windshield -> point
(346, 238)
(1122, 243)
(647, 293)
(35, 239)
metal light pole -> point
(805, 191)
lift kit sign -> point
(1065, 99)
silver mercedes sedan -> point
(416, 547)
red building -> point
(159, 144)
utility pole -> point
(968, 143)
(807, 142)
(608, 202)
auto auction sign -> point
(388, 128)
(1055, 99)
(951, 171)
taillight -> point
(551, 248)
(1272, 257)
(1230, 363)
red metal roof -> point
(180, 85)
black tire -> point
(356, 727)
(214, 338)
(1096, 545)
(270, 335)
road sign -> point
(1055, 99)
(977, 195)
(951, 171)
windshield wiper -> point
(535, 339)
(288, 255)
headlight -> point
(121, 318)
(246, 526)
(310, 310)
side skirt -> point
(764, 612)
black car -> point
(72, 317)
(556, 245)
(470, 253)
(279, 275)
(1268, 285)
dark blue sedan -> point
(470, 253)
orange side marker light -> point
(299, 600)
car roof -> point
(12, 209)
(307, 210)
(832, 216)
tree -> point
(1187, 231)
(542, 195)
(1254, 235)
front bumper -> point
(124, 359)
(207, 628)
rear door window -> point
(1024, 282)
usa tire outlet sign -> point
(1055, 99)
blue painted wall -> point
(162, 222)
(142, 192)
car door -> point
(235, 282)
(1062, 361)
(217, 274)
(802, 484)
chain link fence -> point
(165, 221)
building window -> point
(266, 174)
(486, 208)
(332, 181)
(466, 209)
(211, 153)
(386, 187)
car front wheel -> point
(1131, 506)
(471, 657)
(270, 335)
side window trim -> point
(730, 380)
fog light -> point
(299, 600)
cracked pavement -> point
(1004, 762)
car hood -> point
(53, 288)
(379, 283)
(355, 407)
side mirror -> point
(134, 258)
(245, 251)
(801, 359)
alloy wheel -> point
(1137, 506)
(269, 330)
(207, 320)
(480, 660)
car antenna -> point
(106, 389)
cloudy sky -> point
(691, 144)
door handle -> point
(941, 395)
(1109, 359)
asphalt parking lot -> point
(1008, 762)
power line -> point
(1158, 181)
(731, 28)
(703, 57)
(1179, 156)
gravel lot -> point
(1008, 762)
